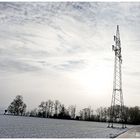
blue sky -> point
(63, 51)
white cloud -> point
(59, 41)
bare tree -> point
(86, 113)
(72, 111)
(50, 108)
(42, 109)
(56, 107)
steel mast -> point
(117, 103)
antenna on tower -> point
(117, 103)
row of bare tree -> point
(131, 114)
(55, 109)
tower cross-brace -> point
(117, 95)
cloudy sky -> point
(63, 51)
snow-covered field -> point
(29, 127)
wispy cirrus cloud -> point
(59, 29)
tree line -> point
(55, 109)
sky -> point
(63, 51)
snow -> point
(132, 133)
(29, 127)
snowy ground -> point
(28, 127)
(132, 133)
